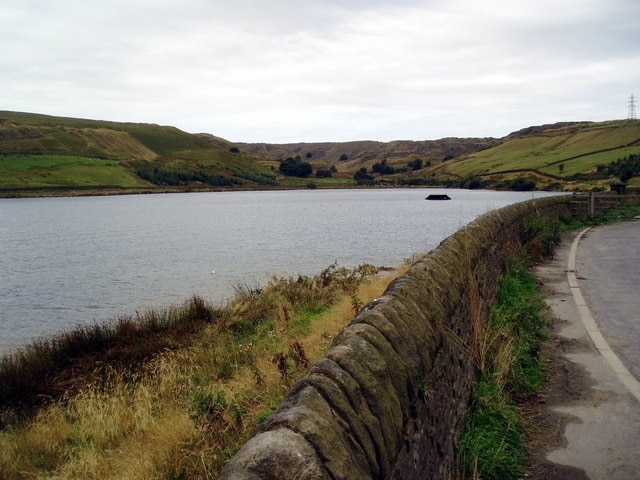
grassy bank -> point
(624, 211)
(494, 444)
(174, 393)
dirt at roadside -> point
(566, 384)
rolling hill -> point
(351, 156)
(567, 154)
(42, 154)
(560, 156)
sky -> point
(281, 71)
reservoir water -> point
(71, 261)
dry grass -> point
(185, 411)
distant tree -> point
(309, 155)
(344, 157)
(415, 164)
(624, 168)
(522, 184)
(473, 183)
(234, 150)
(362, 177)
(294, 167)
(323, 173)
(360, 173)
(382, 168)
(561, 167)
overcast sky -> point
(323, 70)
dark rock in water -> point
(438, 197)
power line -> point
(632, 108)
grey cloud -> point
(277, 70)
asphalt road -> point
(594, 398)
(608, 273)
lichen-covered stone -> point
(276, 454)
(353, 392)
(307, 413)
(396, 367)
(370, 370)
(352, 421)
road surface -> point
(593, 397)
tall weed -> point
(539, 234)
(30, 373)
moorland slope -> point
(566, 155)
(41, 152)
(559, 156)
(44, 155)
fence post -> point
(591, 206)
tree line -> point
(164, 176)
(624, 168)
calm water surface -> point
(69, 261)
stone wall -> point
(390, 397)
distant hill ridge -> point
(548, 127)
(48, 152)
(359, 153)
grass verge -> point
(623, 211)
(494, 442)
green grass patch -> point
(18, 171)
(624, 211)
(539, 235)
(494, 442)
(164, 140)
(588, 162)
(581, 149)
(619, 213)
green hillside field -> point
(557, 153)
(46, 152)
(36, 171)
